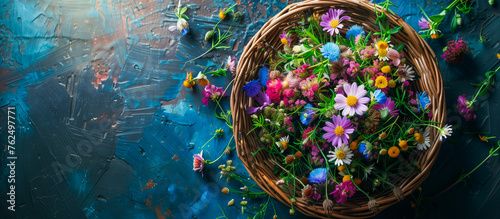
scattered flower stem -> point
(492, 153)
(220, 39)
(486, 83)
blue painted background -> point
(123, 147)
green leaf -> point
(185, 17)
(395, 30)
(183, 10)
(399, 47)
(324, 98)
(311, 35)
(222, 47)
(453, 24)
(436, 18)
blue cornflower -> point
(263, 75)
(318, 175)
(354, 31)
(423, 100)
(365, 150)
(379, 96)
(252, 88)
(307, 115)
(330, 51)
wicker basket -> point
(260, 167)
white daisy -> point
(445, 132)
(283, 143)
(423, 139)
(341, 156)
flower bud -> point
(209, 35)
(459, 19)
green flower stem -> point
(249, 192)
(209, 140)
(289, 173)
(357, 185)
(220, 39)
(211, 162)
(485, 82)
(316, 65)
(491, 154)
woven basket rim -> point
(418, 54)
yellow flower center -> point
(334, 23)
(419, 138)
(382, 45)
(284, 41)
(340, 155)
(392, 83)
(339, 130)
(381, 82)
(382, 52)
(386, 69)
(351, 100)
(284, 144)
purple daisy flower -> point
(355, 102)
(424, 24)
(465, 110)
(337, 133)
(387, 108)
(285, 40)
(331, 21)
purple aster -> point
(465, 110)
(252, 88)
(355, 102)
(331, 21)
(424, 24)
(387, 108)
(343, 191)
(337, 132)
(263, 100)
(286, 40)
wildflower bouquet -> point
(338, 113)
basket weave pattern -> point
(417, 53)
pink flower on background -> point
(455, 51)
(231, 64)
(198, 162)
(343, 191)
(465, 110)
(212, 92)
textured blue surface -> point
(123, 147)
